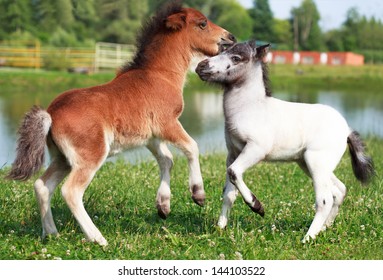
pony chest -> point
(245, 118)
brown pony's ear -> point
(176, 21)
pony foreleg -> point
(249, 156)
(165, 162)
(176, 134)
(229, 195)
(229, 191)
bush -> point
(56, 61)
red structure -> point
(316, 58)
(309, 58)
(282, 57)
(344, 58)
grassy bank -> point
(121, 202)
(291, 77)
(297, 78)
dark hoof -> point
(256, 206)
(163, 213)
(198, 195)
(200, 201)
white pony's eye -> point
(236, 58)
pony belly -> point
(285, 154)
(119, 143)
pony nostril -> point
(203, 64)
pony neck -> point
(255, 82)
(170, 55)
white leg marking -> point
(73, 191)
(165, 162)
(44, 189)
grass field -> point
(121, 202)
(121, 198)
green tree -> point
(283, 36)
(120, 20)
(235, 19)
(307, 33)
(263, 22)
(226, 13)
(15, 16)
(51, 14)
(334, 40)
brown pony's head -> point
(204, 36)
(173, 25)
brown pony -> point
(140, 106)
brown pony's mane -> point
(153, 26)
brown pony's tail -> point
(31, 144)
(362, 164)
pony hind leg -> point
(73, 191)
(319, 165)
(44, 189)
(339, 193)
(165, 162)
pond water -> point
(203, 117)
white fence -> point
(105, 56)
(111, 56)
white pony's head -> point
(230, 67)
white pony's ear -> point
(253, 44)
(262, 51)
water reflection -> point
(203, 117)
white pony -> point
(259, 127)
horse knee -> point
(232, 174)
(229, 195)
(324, 202)
(42, 192)
(168, 162)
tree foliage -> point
(307, 33)
(263, 21)
(80, 23)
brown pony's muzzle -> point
(227, 40)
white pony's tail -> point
(362, 165)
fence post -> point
(37, 55)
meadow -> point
(121, 202)
(121, 199)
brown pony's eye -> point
(203, 24)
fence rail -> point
(105, 56)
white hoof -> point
(100, 241)
(307, 238)
(222, 222)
